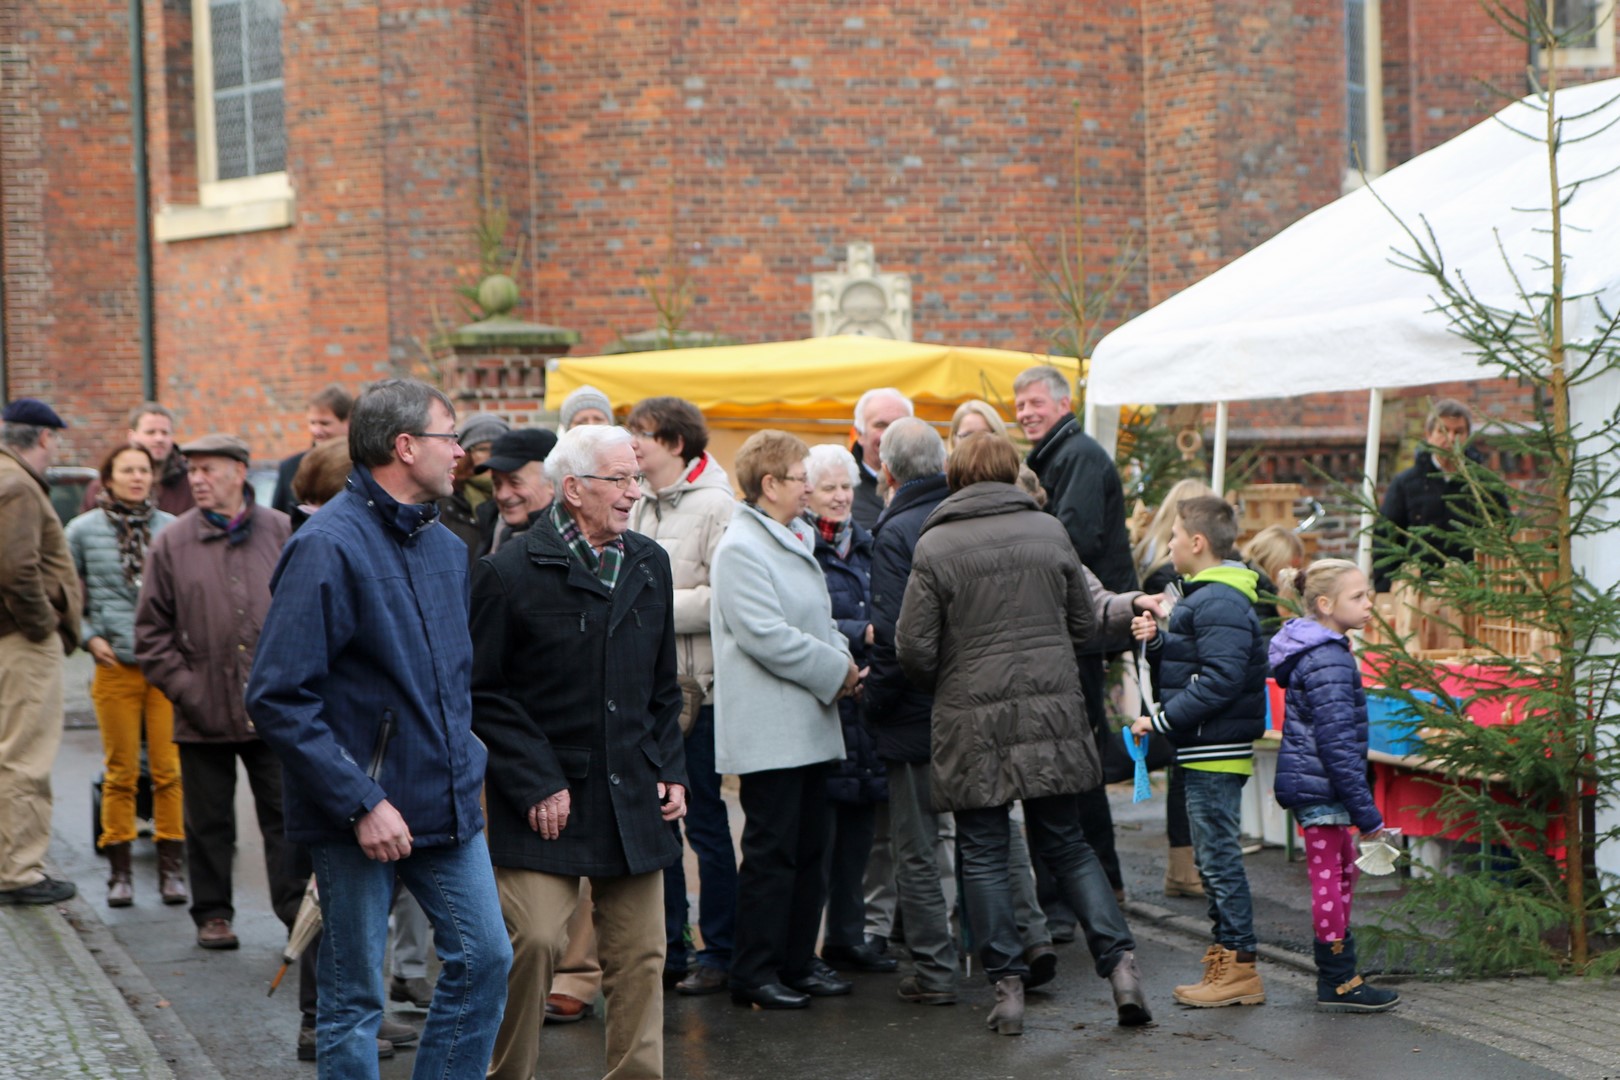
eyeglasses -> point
(621, 482)
(803, 478)
(433, 434)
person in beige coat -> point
(688, 505)
(995, 612)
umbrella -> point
(304, 928)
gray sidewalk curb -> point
(174, 1051)
(1198, 930)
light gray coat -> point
(779, 660)
(109, 600)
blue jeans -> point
(1214, 805)
(708, 830)
(456, 888)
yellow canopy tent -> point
(808, 386)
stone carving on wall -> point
(859, 300)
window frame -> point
(1602, 52)
(1374, 155)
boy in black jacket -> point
(1212, 680)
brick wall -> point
(67, 209)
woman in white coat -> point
(780, 666)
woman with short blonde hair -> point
(972, 417)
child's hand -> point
(1141, 725)
(1144, 628)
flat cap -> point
(219, 445)
(27, 410)
(517, 448)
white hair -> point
(579, 451)
(912, 449)
(871, 396)
(826, 457)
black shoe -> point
(1042, 961)
(858, 958)
(820, 981)
(673, 976)
(769, 996)
(1062, 933)
(702, 980)
(44, 891)
(417, 992)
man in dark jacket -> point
(471, 489)
(1426, 503)
(151, 427)
(203, 601)
(913, 459)
(362, 687)
(874, 412)
(327, 418)
(1084, 493)
(581, 713)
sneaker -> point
(1230, 978)
(417, 992)
(44, 891)
(911, 991)
(563, 1009)
(216, 934)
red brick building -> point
(315, 169)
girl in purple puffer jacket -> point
(1322, 764)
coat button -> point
(613, 706)
(614, 779)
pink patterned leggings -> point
(1333, 871)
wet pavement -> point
(208, 1014)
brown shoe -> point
(171, 871)
(120, 886)
(217, 934)
(563, 1009)
(702, 980)
(1230, 978)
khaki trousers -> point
(30, 732)
(579, 973)
(628, 916)
(125, 704)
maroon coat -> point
(197, 623)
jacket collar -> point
(1061, 432)
(797, 537)
(27, 468)
(408, 520)
(545, 546)
(927, 489)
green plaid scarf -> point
(605, 565)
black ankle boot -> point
(1339, 988)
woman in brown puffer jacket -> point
(996, 608)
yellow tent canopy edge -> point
(815, 379)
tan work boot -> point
(1181, 875)
(1230, 978)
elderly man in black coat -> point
(574, 691)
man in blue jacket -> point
(362, 686)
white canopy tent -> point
(1323, 307)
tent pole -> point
(1217, 476)
(1369, 481)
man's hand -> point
(870, 635)
(548, 816)
(102, 652)
(1141, 725)
(1144, 628)
(383, 834)
(672, 801)
(1149, 604)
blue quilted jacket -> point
(1210, 667)
(1324, 745)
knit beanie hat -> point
(480, 428)
(586, 397)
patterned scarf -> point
(840, 534)
(133, 527)
(238, 529)
(606, 565)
